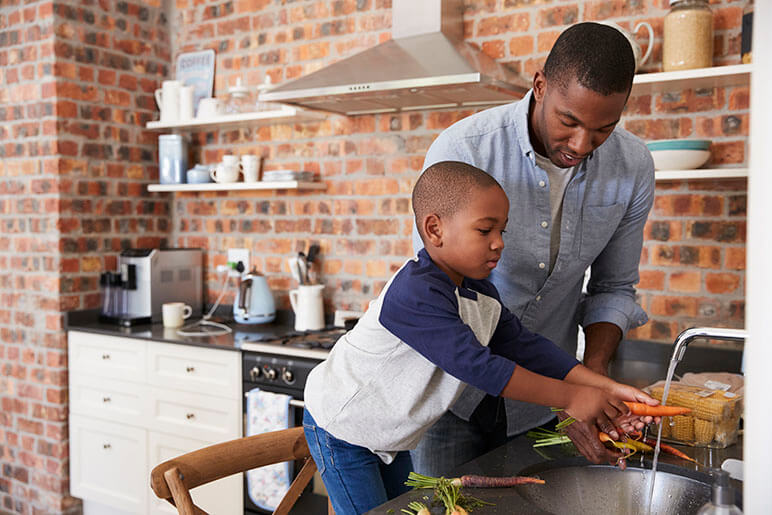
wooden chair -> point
(173, 479)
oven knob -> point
(288, 376)
(270, 373)
(254, 373)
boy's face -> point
(469, 243)
(569, 122)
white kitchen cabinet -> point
(135, 403)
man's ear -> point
(539, 86)
(432, 228)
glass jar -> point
(688, 36)
(239, 99)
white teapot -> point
(636, 47)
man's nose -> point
(581, 143)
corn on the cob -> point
(666, 427)
(714, 407)
(703, 431)
(683, 429)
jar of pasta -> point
(688, 36)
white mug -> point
(208, 107)
(633, 43)
(168, 100)
(230, 160)
(175, 313)
(186, 103)
(308, 305)
(250, 166)
(225, 173)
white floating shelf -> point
(286, 114)
(713, 77)
(701, 173)
(240, 186)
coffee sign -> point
(197, 69)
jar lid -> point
(238, 89)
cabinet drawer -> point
(224, 496)
(195, 369)
(107, 356)
(108, 463)
(192, 415)
(112, 400)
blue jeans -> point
(452, 441)
(356, 479)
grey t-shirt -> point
(558, 180)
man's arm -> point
(601, 341)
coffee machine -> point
(148, 278)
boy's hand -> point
(597, 407)
(630, 422)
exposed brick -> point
(722, 283)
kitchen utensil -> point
(303, 263)
(172, 158)
(679, 154)
(639, 60)
(308, 305)
(168, 100)
(225, 173)
(254, 302)
(311, 259)
(209, 107)
(175, 313)
(250, 167)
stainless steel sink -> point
(588, 489)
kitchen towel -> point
(267, 412)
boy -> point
(437, 325)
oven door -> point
(313, 500)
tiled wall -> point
(76, 88)
(692, 268)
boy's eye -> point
(484, 231)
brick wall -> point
(693, 263)
(75, 92)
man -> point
(580, 190)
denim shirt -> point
(605, 208)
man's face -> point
(569, 121)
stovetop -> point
(307, 344)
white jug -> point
(168, 100)
(308, 305)
(633, 43)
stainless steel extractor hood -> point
(426, 66)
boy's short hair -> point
(445, 187)
(599, 57)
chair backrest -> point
(173, 479)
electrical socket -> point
(236, 255)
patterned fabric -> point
(267, 412)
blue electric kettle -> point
(254, 302)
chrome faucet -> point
(712, 333)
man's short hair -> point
(445, 187)
(599, 57)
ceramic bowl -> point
(199, 174)
(679, 154)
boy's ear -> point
(432, 226)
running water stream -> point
(670, 371)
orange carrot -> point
(670, 450)
(632, 445)
(641, 409)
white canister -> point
(308, 305)
(168, 100)
(172, 158)
(250, 167)
(186, 103)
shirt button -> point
(542, 183)
(538, 298)
(542, 266)
(544, 224)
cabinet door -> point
(107, 356)
(112, 400)
(195, 369)
(224, 496)
(108, 463)
(193, 415)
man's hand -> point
(585, 438)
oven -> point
(281, 365)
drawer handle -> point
(190, 416)
(106, 399)
(105, 356)
(106, 446)
(190, 369)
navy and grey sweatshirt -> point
(410, 356)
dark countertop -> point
(88, 321)
(518, 454)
